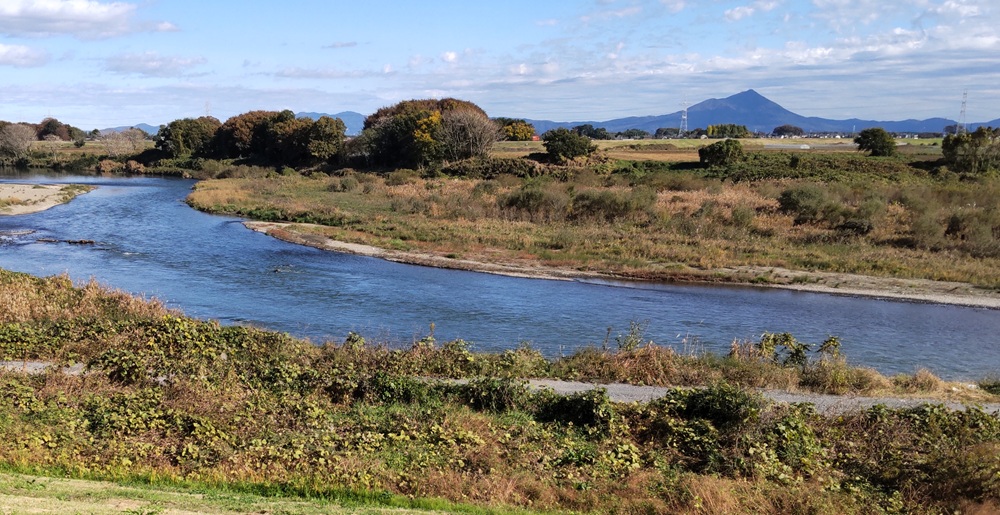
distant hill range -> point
(354, 121)
(147, 128)
(749, 108)
(758, 114)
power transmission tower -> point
(960, 127)
(684, 120)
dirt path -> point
(620, 392)
(825, 404)
(916, 290)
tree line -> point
(418, 133)
(411, 133)
(16, 138)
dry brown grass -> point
(922, 381)
(705, 226)
(24, 298)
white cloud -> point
(674, 6)
(77, 17)
(738, 13)
(342, 44)
(626, 12)
(165, 26)
(151, 64)
(21, 56)
(315, 73)
(449, 57)
(957, 8)
(331, 73)
(87, 19)
(745, 11)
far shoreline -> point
(854, 285)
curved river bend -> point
(149, 242)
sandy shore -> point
(20, 199)
(914, 290)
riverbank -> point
(916, 290)
(361, 425)
(21, 199)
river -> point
(149, 242)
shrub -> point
(402, 176)
(536, 202)
(611, 205)
(564, 145)
(728, 407)
(493, 167)
(386, 388)
(721, 153)
(591, 409)
(109, 166)
(806, 202)
(134, 167)
(495, 394)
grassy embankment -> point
(644, 210)
(231, 413)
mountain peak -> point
(750, 93)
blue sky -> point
(98, 63)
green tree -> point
(563, 144)
(286, 138)
(788, 130)
(412, 133)
(876, 141)
(592, 132)
(728, 130)
(188, 136)
(634, 134)
(243, 135)
(973, 152)
(515, 129)
(721, 153)
(667, 132)
(326, 138)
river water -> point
(149, 242)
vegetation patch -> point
(172, 401)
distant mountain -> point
(145, 127)
(994, 124)
(354, 121)
(759, 115)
